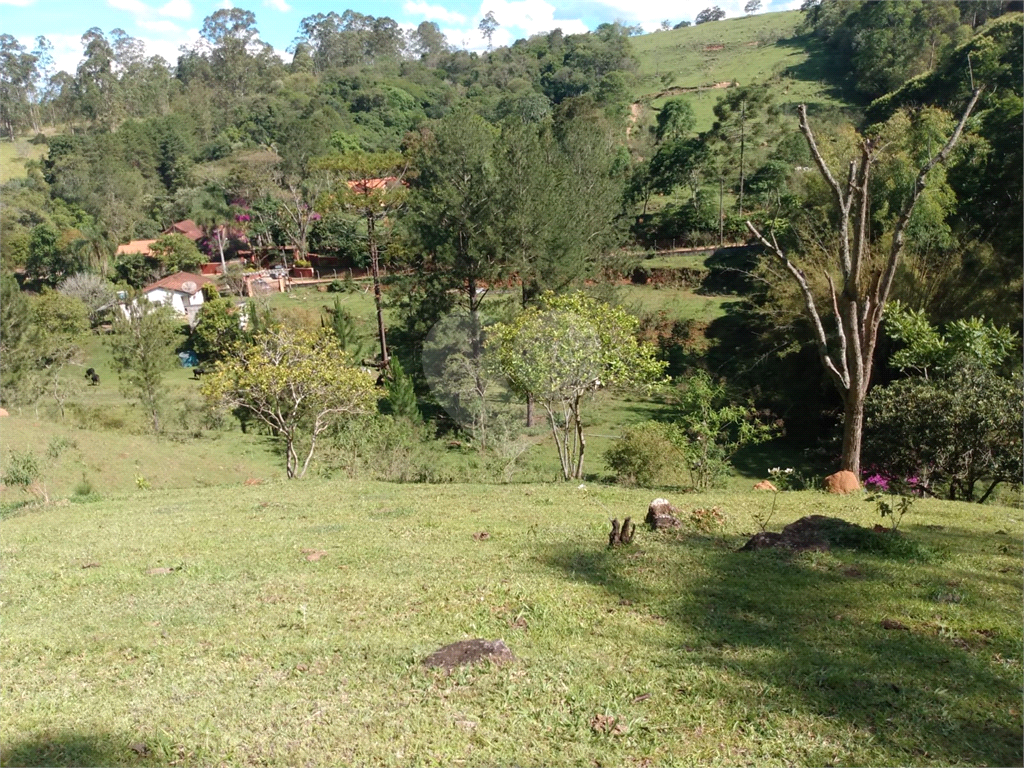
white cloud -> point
(19, 3)
(649, 14)
(277, 5)
(516, 19)
(132, 6)
(177, 9)
(159, 25)
(433, 12)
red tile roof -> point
(177, 281)
(188, 228)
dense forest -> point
(527, 169)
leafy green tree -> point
(710, 429)
(177, 253)
(59, 323)
(212, 212)
(17, 72)
(401, 398)
(675, 120)
(94, 246)
(343, 325)
(217, 329)
(298, 383)
(134, 269)
(47, 261)
(709, 14)
(956, 432)
(563, 352)
(927, 352)
(488, 26)
(15, 325)
(142, 346)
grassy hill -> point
(689, 61)
(13, 156)
(289, 621)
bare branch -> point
(843, 200)
(841, 377)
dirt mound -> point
(842, 481)
(815, 532)
(469, 652)
(765, 485)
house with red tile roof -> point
(182, 291)
(188, 228)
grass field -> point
(754, 49)
(248, 649)
(13, 156)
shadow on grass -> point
(809, 633)
(67, 748)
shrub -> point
(23, 469)
(83, 487)
(643, 455)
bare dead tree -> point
(860, 302)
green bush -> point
(644, 455)
(22, 469)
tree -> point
(682, 25)
(95, 246)
(17, 73)
(753, 6)
(860, 301)
(217, 329)
(675, 120)
(372, 185)
(95, 292)
(143, 345)
(15, 325)
(58, 324)
(211, 211)
(709, 14)
(401, 398)
(957, 432)
(564, 351)
(298, 383)
(177, 253)
(488, 26)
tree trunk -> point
(743, 125)
(721, 211)
(581, 441)
(377, 297)
(220, 247)
(853, 430)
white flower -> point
(581, 487)
(789, 471)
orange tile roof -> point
(177, 281)
(136, 246)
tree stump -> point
(621, 534)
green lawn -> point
(248, 653)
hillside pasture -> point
(286, 623)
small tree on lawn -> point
(298, 383)
(142, 344)
(562, 352)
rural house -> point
(182, 291)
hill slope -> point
(753, 49)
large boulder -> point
(843, 481)
(661, 514)
(469, 652)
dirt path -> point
(675, 91)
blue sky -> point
(164, 25)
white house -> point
(182, 291)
